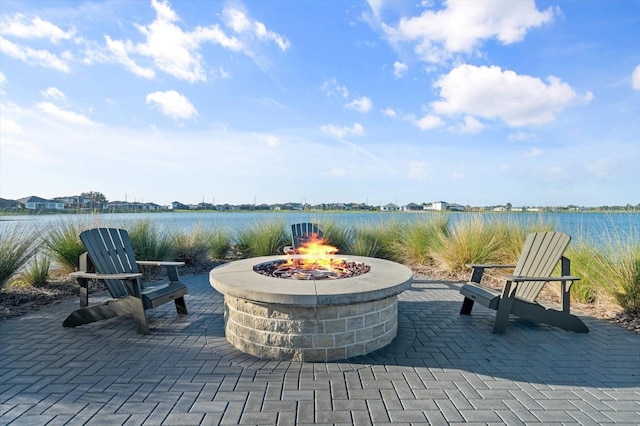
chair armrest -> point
(158, 263)
(478, 270)
(517, 278)
(94, 276)
(489, 265)
(171, 268)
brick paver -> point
(441, 369)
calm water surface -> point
(592, 227)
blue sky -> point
(474, 102)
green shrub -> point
(338, 236)
(36, 272)
(366, 242)
(469, 241)
(149, 243)
(586, 263)
(262, 239)
(613, 270)
(218, 244)
(191, 248)
(421, 239)
(62, 241)
(17, 247)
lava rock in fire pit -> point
(294, 270)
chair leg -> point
(467, 306)
(139, 315)
(181, 306)
(502, 315)
(89, 314)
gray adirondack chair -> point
(110, 258)
(540, 254)
(300, 233)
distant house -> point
(389, 208)
(179, 206)
(443, 205)
(437, 205)
(37, 203)
(8, 204)
(412, 207)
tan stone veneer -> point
(303, 333)
(324, 320)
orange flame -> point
(316, 254)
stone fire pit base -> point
(310, 320)
(303, 333)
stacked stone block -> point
(310, 333)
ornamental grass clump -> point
(36, 272)
(470, 241)
(149, 243)
(377, 240)
(612, 270)
(262, 239)
(338, 236)
(366, 242)
(17, 247)
(190, 247)
(62, 242)
(218, 244)
(421, 239)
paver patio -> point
(442, 368)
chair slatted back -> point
(541, 253)
(111, 252)
(301, 232)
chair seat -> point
(484, 295)
(156, 295)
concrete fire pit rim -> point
(238, 279)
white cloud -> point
(270, 140)
(533, 152)
(376, 6)
(491, 93)
(602, 167)
(172, 104)
(471, 125)
(239, 22)
(42, 58)
(64, 115)
(19, 26)
(463, 25)
(362, 105)
(341, 132)
(429, 122)
(399, 69)
(3, 82)
(119, 49)
(9, 126)
(172, 50)
(331, 88)
(457, 174)
(389, 112)
(635, 78)
(338, 171)
(53, 93)
(520, 136)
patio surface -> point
(441, 369)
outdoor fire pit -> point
(277, 309)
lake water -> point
(591, 227)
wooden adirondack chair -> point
(541, 253)
(110, 258)
(300, 233)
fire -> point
(316, 254)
